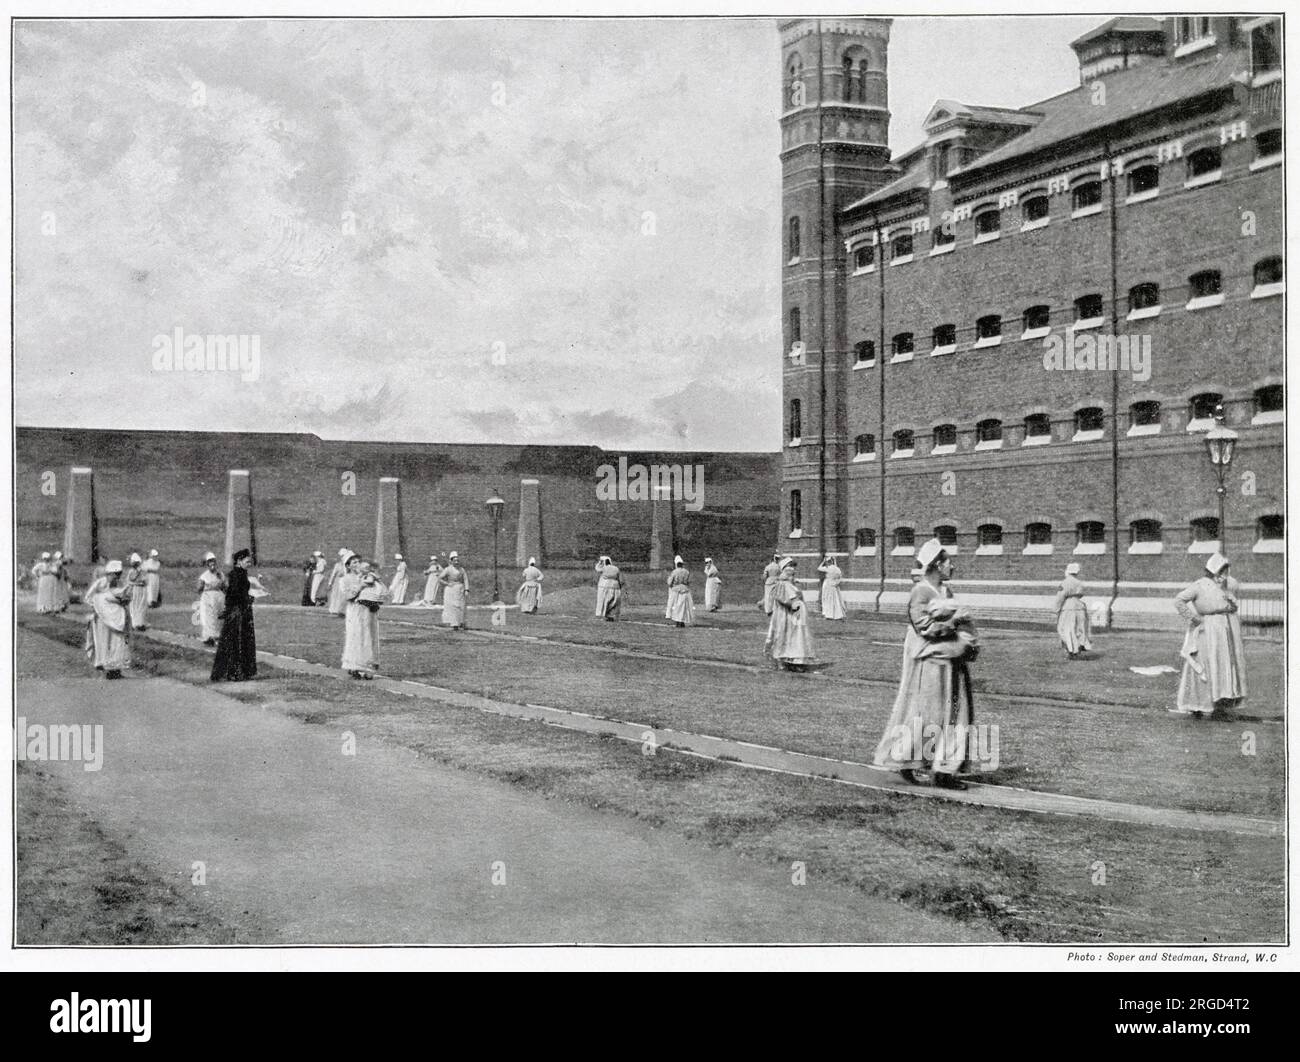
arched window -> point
(989, 537)
(1143, 301)
(1089, 424)
(1035, 210)
(1270, 534)
(904, 442)
(1204, 408)
(864, 256)
(796, 420)
(796, 92)
(988, 330)
(943, 237)
(1038, 429)
(947, 536)
(1269, 405)
(1268, 146)
(796, 325)
(1144, 181)
(944, 339)
(1038, 539)
(945, 439)
(864, 353)
(865, 538)
(988, 225)
(1268, 277)
(796, 510)
(1090, 537)
(1205, 535)
(1204, 289)
(1085, 198)
(862, 81)
(1204, 165)
(1145, 536)
(848, 78)
(1037, 322)
(1088, 311)
(864, 446)
(1144, 418)
(988, 435)
(901, 247)
(902, 346)
(795, 242)
(904, 541)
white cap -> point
(343, 551)
(678, 559)
(1216, 563)
(707, 559)
(1073, 568)
(788, 562)
(45, 556)
(397, 556)
(153, 553)
(453, 555)
(58, 553)
(318, 553)
(112, 566)
(532, 560)
(209, 556)
(433, 556)
(930, 549)
(136, 558)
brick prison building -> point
(1015, 335)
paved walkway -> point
(764, 757)
(384, 847)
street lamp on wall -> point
(1220, 444)
(495, 507)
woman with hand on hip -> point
(1214, 658)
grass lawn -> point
(1031, 878)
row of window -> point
(1089, 424)
(1204, 289)
(1142, 183)
(1145, 535)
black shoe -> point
(112, 674)
(909, 775)
(948, 781)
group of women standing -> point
(50, 577)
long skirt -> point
(713, 594)
(210, 603)
(681, 607)
(237, 648)
(1074, 626)
(108, 649)
(62, 595)
(1214, 668)
(361, 638)
(529, 597)
(832, 602)
(769, 589)
(139, 606)
(317, 587)
(307, 580)
(431, 587)
(336, 602)
(929, 726)
(47, 594)
(397, 590)
(453, 605)
(153, 588)
(788, 636)
(609, 599)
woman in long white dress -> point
(397, 588)
(1073, 626)
(361, 619)
(336, 601)
(62, 591)
(455, 588)
(152, 568)
(602, 589)
(138, 584)
(929, 725)
(610, 590)
(832, 599)
(108, 628)
(712, 586)
(432, 587)
(771, 574)
(681, 606)
(789, 639)
(43, 574)
(212, 597)
(1214, 658)
(529, 595)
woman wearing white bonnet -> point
(930, 722)
(681, 606)
(108, 627)
(397, 588)
(43, 573)
(789, 639)
(152, 568)
(529, 595)
(712, 586)
(1072, 623)
(138, 584)
(431, 585)
(832, 601)
(1214, 659)
(455, 590)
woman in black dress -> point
(237, 648)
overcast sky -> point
(478, 231)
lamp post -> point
(1220, 443)
(495, 506)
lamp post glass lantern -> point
(495, 506)
(1220, 443)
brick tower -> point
(834, 151)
